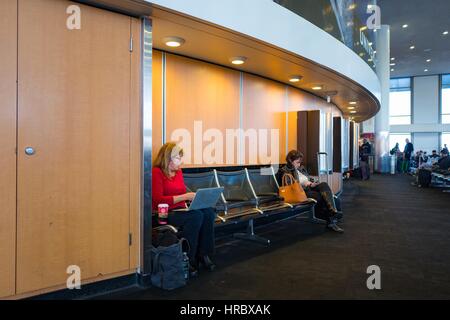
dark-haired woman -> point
(321, 192)
(197, 226)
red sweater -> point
(164, 188)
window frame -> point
(411, 103)
(441, 101)
(411, 138)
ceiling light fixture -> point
(426, 70)
(428, 60)
(351, 108)
(445, 33)
(392, 70)
(295, 78)
(352, 103)
(352, 111)
(412, 47)
(238, 60)
(404, 26)
(174, 41)
(317, 88)
(392, 59)
(392, 64)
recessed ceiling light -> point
(352, 111)
(174, 41)
(412, 47)
(392, 70)
(238, 60)
(392, 64)
(426, 70)
(404, 26)
(352, 103)
(351, 108)
(445, 33)
(295, 78)
(317, 88)
(428, 60)
(392, 59)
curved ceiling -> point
(215, 44)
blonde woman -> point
(168, 187)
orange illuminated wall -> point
(206, 105)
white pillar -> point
(382, 118)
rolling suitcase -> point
(424, 177)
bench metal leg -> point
(311, 217)
(251, 236)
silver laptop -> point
(204, 198)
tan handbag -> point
(291, 191)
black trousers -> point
(197, 226)
(322, 211)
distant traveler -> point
(434, 155)
(395, 150)
(321, 192)
(197, 226)
(444, 161)
(409, 148)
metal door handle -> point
(29, 151)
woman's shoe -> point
(207, 263)
(335, 228)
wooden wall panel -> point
(8, 107)
(302, 134)
(74, 109)
(292, 133)
(199, 91)
(264, 108)
(157, 98)
(313, 142)
(351, 163)
(337, 144)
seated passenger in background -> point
(197, 226)
(424, 173)
(321, 192)
(434, 157)
(444, 162)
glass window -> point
(445, 94)
(400, 101)
(400, 139)
(445, 139)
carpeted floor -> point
(402, 229)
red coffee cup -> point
(163, 213)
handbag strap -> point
(285, 178)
